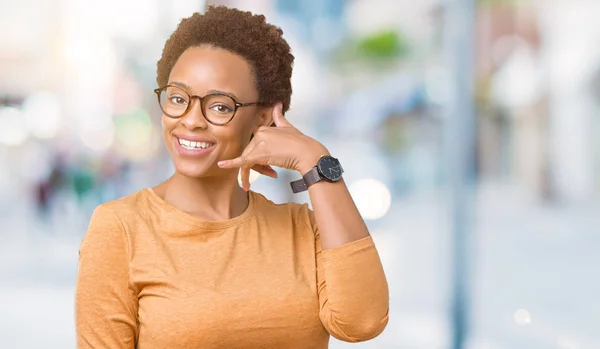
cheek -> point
(167, 125)
(233, 139)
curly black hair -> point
(242, 33)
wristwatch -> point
(328, 168)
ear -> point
(264, 117)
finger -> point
(233, 163)
(242, 160)
(246, 159)
(265, 170)
(278, 118)
(245, 174)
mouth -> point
(193, 148)
(193, 145)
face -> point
(195, 144)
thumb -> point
(278, 118)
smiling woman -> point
(197, 261)
(196, 76)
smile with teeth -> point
(194, 145)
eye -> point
(222, 108)
(177, 100)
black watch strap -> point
(310, 178)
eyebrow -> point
(180, 84)
(230, 94)
(188, 88)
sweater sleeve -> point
(106, 304)
(352, 289)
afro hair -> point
(242, 33)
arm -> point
(352, 287)
(106, 304)
(336, 214)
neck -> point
(210, 198)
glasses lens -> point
(174, 101)
(218, 109)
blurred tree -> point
(385, 46)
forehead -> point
(206, 68)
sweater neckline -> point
(200, 223)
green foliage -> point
(385, 44)
(377, 48)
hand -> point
(282, 146)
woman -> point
(197, 261)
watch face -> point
(330, 168)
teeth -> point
(194, 145)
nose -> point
(194, 118)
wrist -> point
(311, 157)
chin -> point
(194, 166)
(195, 170)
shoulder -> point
(300, 213)
(263, 203)
(125, 208)
(113, 216)
(127, 204)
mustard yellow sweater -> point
(152, 276)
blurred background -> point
(468, 132)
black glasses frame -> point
(236, 104)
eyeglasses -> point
(217, 108)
